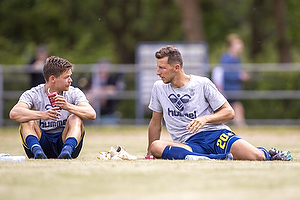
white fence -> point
(13, 80)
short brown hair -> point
(56, 66)
(173, 54)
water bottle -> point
(8, 157)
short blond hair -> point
(231, 37)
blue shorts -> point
(52, 145)
(212, 142)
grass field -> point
(89, 178)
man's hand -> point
(60, 101)
(223, 114)
(83, 109)
(52, 113)
(195, 125)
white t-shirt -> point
(217, 76)
(179, 106)
(37, 99)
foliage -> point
(273, 108)
(84, 31)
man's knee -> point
(29, 124)
(259, 155)
(156, 148)
(242, 150)
(30, 127)
(74, 120)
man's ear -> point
(52, 78)
(176, 67)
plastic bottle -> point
(8, 157)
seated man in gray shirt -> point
(194, 112)
(53, 127)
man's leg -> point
(172, 150)
(30, 135)
(243, 150)
(71, 135)
(157, 147)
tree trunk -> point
(283, 43)
(256, 21)
(191, 20)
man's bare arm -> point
(154, 129)
(21, 113)
(222, 115)
(83, 110)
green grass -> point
(89, 178)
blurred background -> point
(101, 38)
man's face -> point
(165, 71)
(237, 46)
(64, 81)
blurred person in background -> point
(35, 66)
(230, 77)
(105, 86)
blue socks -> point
(68, 148)
(33, 144)
(179, 153)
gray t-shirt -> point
(179, 106)
(37, 99)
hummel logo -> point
(179, 101)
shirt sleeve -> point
(213, 96)
(79, 96)
(27, 97)
(155, 104)
(217, 76)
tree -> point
(130, 22)
(84, 31)
(192, 23)
(281, 28)
(257, 16)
